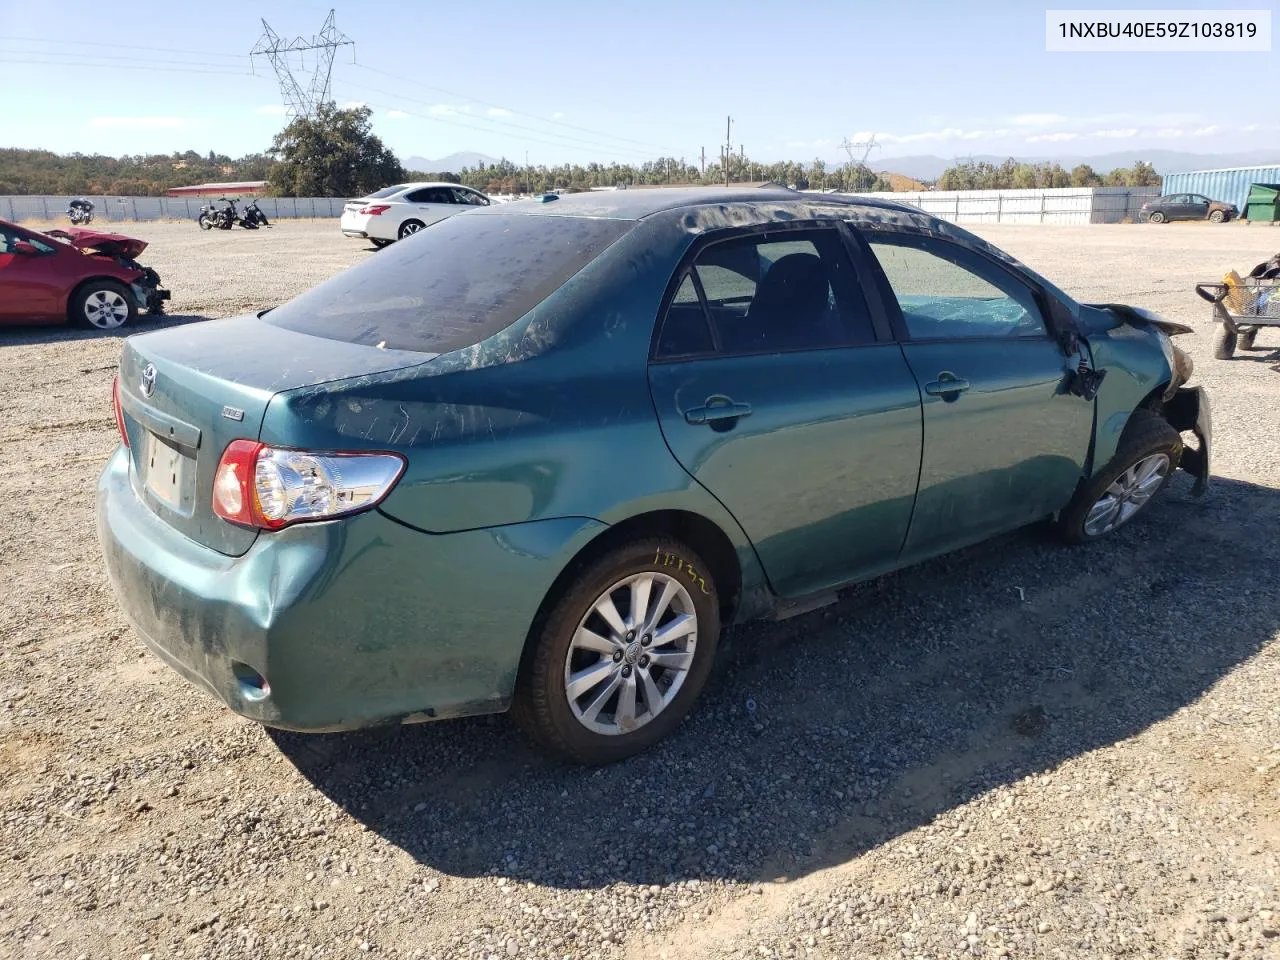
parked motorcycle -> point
(80, 211)
(253, 215)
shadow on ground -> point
(822, 736)
(145, 323)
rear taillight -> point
(269, 487)
(376, 208)
(115, 403)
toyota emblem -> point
(148, 384)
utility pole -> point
(702, 162)
(728, 147)
(528, 179)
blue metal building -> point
(1230, 185)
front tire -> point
(1145, 460)
(622, 655)
(205, 223)
(1224, 343)
(1217, 217)
(1156, 217)
(409, 228)
(378, 243)
(102, 305)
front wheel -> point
(1156, 217)
(623, 654)
(103, 305)
(1148, 455)
(1224, 343)
(205, 223)
(1217, 217)
(379, 243)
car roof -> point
(643, 203)
(431, 183)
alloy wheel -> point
(1128, 494)
(631, 653)
(106, 309)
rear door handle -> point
(717, 410)
(948, 386)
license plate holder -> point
(166, 471)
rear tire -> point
(1245, 338)
(1145, 461)
(409, 228)
(1224, 343)
(1156, 217)
(1217, 217)
(379, 243)
(613, 665)
(102, 305)
(205, 223)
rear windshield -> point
(386, 192)
(451, 285)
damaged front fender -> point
(1188, 410)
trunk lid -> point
(188, 391)
(107, 244)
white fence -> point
(123, 209)
(1067, 205)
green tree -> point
(332, 154)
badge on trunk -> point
(148, 384)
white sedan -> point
(394, 213)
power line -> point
(114, 66)
(563, 139)
(121, 46)
(532, 116)
(75, 58)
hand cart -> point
(1241, 310)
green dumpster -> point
(1263, 203)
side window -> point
(785, 291)
(417, 196)
(7, 240)
(467, 197)
(948, 293)
(684, 328)
(439, 195)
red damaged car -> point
(78, 276)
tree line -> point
(336, 154)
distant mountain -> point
(929, 167)
(450, 164)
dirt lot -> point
(1021, 750)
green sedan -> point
(537, 456)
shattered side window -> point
(451, 285)
(945, 294)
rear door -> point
(775, 390)
(1004, 443)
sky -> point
(562, 81)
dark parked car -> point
(1187, 206)
(535, 456)
(79, 276)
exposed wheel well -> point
(702, 535)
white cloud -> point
(945, 134)
(1038, 119)
(141, 123)
(497, 112)
(353, 105)
(396, 114)
(1164, 133)
(1060, 137)
(1206, 131)
(271, 110)
(557, 115)
(1116, 133)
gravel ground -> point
(1020, 750)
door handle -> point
(718, 409)
(948, 386)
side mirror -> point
(24, 249)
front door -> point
(774, 392)
(1004, 443)
(30, 286)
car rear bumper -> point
(339, 625)
(365, 227)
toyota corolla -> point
(535, 457)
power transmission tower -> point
(300, 101)
(866, 146)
